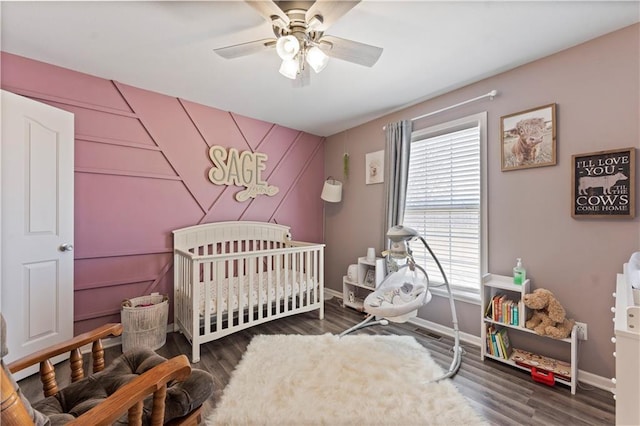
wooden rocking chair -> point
(139, 387)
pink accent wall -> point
(141, 164)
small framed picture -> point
(370, 278)
(528, 138)
(374, 167)
(603, 184)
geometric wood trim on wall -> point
(141, 171)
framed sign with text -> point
(603, 184)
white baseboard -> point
(333, 293)
(445, 331)
(583, 376)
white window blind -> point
(444, 204)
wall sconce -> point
(332, 190)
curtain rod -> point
(491, 95)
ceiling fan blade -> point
(244, 49)
(268, 9)
(351, 51)
(330, 11)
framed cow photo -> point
(528, 138)
(603, 184)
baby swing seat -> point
(399, 296)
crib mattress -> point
(277, 291)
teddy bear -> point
(548, 317)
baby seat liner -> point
(399, 296)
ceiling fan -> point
(300, 40)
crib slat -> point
(302, 299)
(295, 267)
(261, 287)
(312, 277)
(188, 288)
(250, 298)
(297, 279)
(187, 272)
(302, 267)
(273, 264)
(229, 280)
(241, 278)
(219, 282)
(312, 291)
(195, 295)
(295, 261)
(209, 293)
(320, 292)
(278, 267)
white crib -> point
(229, 276)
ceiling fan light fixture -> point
(289, 68)
(317, 59)
(287, 47)
(299, 37)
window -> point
(446, 200)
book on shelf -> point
(498, 343)
(503, 310)
(490, 347)
(497, 312)
(496, 336)
(489, 311)
(503, 338)
(489, 344)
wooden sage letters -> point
(240, 169)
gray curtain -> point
(398, 147)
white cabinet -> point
(627, 354)
(370, 274)
(503, 312)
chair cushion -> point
(79, 397)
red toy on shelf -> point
(542, 376)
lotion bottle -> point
(519, 273)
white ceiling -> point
(430, 48)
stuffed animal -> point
(548, 318)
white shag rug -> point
(325, 380)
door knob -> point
(66, 247)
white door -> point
(37, 225)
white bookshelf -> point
(494, 285)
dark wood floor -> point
(502, 394)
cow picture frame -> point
(603, 185)
(528, 138)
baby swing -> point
(399, 296)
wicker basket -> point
(144, 321)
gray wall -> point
(596, 88)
